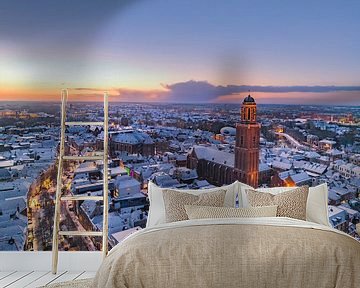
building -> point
(338, 218)
(312, 140)
(132, 142)
(228, 131)
(118, 237)
(219, 167)
(247, 147)
(184, 175)
(265, 174)
(291, 178)
(348, 170)
(128, 194)
(326, 144)
(355, 159)
(344, 193)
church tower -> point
(247, 144)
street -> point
(41, 206)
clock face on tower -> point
(247, 148)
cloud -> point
(202, 91)
(311, 98)
(199, 88)
(137, 95)
(86, 89)
(118, 94)
(205, 92)
(192, 91)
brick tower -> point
(247, 144)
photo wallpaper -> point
(201, 94)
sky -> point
(181, 51)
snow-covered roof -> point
(213, 155)
(281, 165)
(311, 166)
(326, 141)
(6, 163)
(334, 152)
(133, 137)
(312, 154)
(300, 177)
(126, 181)
(121, 235)
(12, 205)
(263, 167)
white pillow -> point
(317, 202)
(157, 208)
(242, 187)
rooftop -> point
(249, 99)
(211, 154)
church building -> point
(220, 167)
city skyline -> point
(189, 51)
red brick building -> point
(220, 167)
(247, 144)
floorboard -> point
(28, 279)
(35, 279)
(46, 279)
(77, 277)
(13, 277)
(87, 275)
(4, 274)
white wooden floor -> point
(32, 279)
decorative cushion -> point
(175, 202)
(290, 203)
(317, 203)
(201, 212)
(156, 213)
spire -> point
(248, 110)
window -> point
(248, 113)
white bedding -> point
(271, 221)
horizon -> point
(168, 103)
(197, 92)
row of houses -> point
(24, 155)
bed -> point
(233, 252)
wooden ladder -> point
(61, 158)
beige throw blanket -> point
(246, 252)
